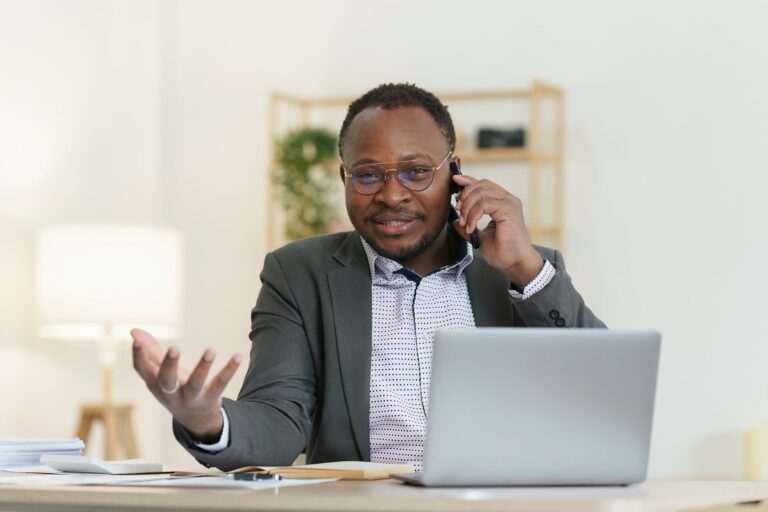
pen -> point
(254, 476)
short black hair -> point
(391, 96)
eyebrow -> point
(404, 158)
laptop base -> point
(417, 479)
(409, 478)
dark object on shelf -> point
(491, 138)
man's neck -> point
(440, 253)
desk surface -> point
(386, 495)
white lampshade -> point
(96, 282)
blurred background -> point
(157, 113)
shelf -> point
(502, 154)
(545, 231)
(536, 89)
(493, 154)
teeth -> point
(395, 223)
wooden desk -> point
(388, 495)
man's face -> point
(398, 223)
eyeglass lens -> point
(370, 178)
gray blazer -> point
(307, 386)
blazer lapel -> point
(489, 293)
(350, 289)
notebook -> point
(346, 470)
(531, 407)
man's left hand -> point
(504, 243)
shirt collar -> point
(387, 267)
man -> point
(343, 326)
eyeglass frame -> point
(434, 169)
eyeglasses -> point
(415, 175)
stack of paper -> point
(20, 451)
(87, 464)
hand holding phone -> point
(474, 237)
(506, 244)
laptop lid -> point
(532, 406)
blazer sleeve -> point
(271, 419)
(558, 304)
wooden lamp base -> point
(119, 438)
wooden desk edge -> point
(386, 495)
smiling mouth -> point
(394, 227)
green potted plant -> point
(305, 174)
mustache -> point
(388, 214)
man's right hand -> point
(193, 402)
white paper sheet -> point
(42, 476)
(40, 469)
(25, 478)
(223, 482)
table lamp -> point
(93, 284)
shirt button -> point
(560, 322)
(554, 314)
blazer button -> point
(560, 322)
(554, 314)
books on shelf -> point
(23, 451)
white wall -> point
(156, 112)
(79, 138)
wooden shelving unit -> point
(536, 156)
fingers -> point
(146, 369)
(143, 363)
(196, 379)
(220, 381)
(161, 371)
(169, 370)
(459, 225)
(479, 199)
(146, 342)
(460, 230)
(464, 180)
(490, 206)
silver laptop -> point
(535, 407)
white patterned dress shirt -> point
(407, 310)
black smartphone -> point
(474, 238)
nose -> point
(393, 193)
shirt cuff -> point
(223, 441)
(539, 282)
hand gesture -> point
(504, 242)
(193, 402)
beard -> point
(416, 249)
